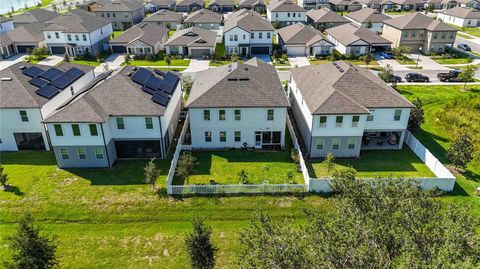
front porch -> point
(382, 140)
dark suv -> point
(416, 77)
(451, 76)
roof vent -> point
(244, 79)
(6, 79)
(232, 79)
(340, 69)
(245, 68)
(134, 68)
(129, 74)
(22, 67)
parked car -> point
(416, 77)
(386, 54)
(395, 78)
(451, 76)
(464, 47)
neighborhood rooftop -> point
(326, 15)
(193, 37)
(248, 20)
(463, 12)
(119, 5)
(418, 21)
(147, 33)
(34, 15)
(77, 20)
(348, 33)
(300, 34)
(284, 6)
(28, 33)
(250, 84)
(164, 15)
(368, 15)
(204, 16)
(342, 88)
(221, 3)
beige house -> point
(419, 32)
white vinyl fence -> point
(306, 176)
(445, 181)
(176, 155)
(237, 189)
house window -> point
(223, 136)
(93, 129)
(252, 35)
(452, 35)
(49, 36)
(352, 142)
(238, 114)
(231, 37)
(397, 115)
(103, 15)
(208, 136)
(76, 130)
(69, 37)
(126, 15)
(113, 15)
(82, 154)
(288, 14)
(120, 124)
(108, 15)
(101, 31)
(270, 114)
(57, 35)
(148, 123)
(414, 33)
(77, 38)
(336, 143)
(268, 35)
(320, 143)
(235, 38)
(405, 34)
(23, 115)
(294, 14)
(444, 35)
(99, 153)
(339, 121)
(260, 35)
(244, 37)
(323, 122)
(355, 120)
(64, 154)
(221, 114)
(58, 129)
(435, 35)
(84, 37)
(276, 15)
(370, 116)
(238, 136)
(206, 115)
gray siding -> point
(112, 154)
(301, 122)
(75, 162)
(343, 151)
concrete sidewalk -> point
(298, 61)
(113, 61)
(52, 60)
(197, 65)
(5, 63)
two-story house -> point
(324, 18)
(419, 32)
(313, 4)
(141, 39)
(155, 5)
(285, 12)
(407, 5)
(131, 115)
(205, 19)
(187, 6)
(28, 94)
(6, 24)
(302, 40)
(369, 18)
(246, 33)
(460, 16)
(241, 105)
(345, 5)
(122, 13)
(255, 5)
(343, 108)
(221, 6)
(33, 16)
(77, 32)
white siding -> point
(6, 26)
(68, 139)
(457, 21)
(283, 17)
(11, 122)
(383, 119)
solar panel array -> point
(161, 89)
(52, 81)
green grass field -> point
(475, 31)
(356, 62)
(85, 62)
(174, 62)
(378, 163)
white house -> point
(6, 24)
(130, 115)
(355, 40)
(241, 105)
(301, 40)
(368, 18)
(28, 94)
(246, 33)
(194, 42)
(343, 108)
(460, 16)
(286, 12)
(76, 33)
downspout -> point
(50, 147)
(105, 144)
(161, 138)
(311, 138)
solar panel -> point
(169, 83)
(141, 76)
(67, 78)
(161, 98)
(153, 82)
(38, 82)
(148, 90)
(160, 72)
(48, 91)
(51, 74)
(32, 71)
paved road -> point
(474, 45)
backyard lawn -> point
(475, 31)
(405, 61)
(116, 33)
(378, 163)
(356, 62)
(86, 62)
(174, 62)
(454, 57)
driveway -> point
(113, 61)
(263, 57)
(299, 61)
(5, 63)
(197, 65)
(51, 60)
(426, 62)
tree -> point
(187, 84)
(370, 224)
(200, 247)
(40, 53)
(186, 165)
(152, 172)
(168, 25)
(430, 8)
(416, 115)
(329, 162)
(367, 59)
(128, 58)
(66, 58)
(460, 152)
(369, 24)
(386, 74)
(294, 155)
(30, 249)
(3, 178)
(168, 60)
(276, 25)
(467, 75)
(243, 176)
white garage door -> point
(296, 51)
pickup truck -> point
(451, 76)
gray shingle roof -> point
(248, 20)
(349, 33)
(284, 6)
(4, 19)
(116, 96)
(76, 21)
(342, 88)
(19, 93)
(345, 2)
(162, 3)
(368, 15)
(221, 3)
(164, 15)
(300, 34)
(463, 12)
(28, 33)
(203, 16)
(418, 21)
(190, 2)
(193, 37)
(34, 15)
(251, 84)
(120, 5)
(147, 33)
(325, 15)
(251, 3)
